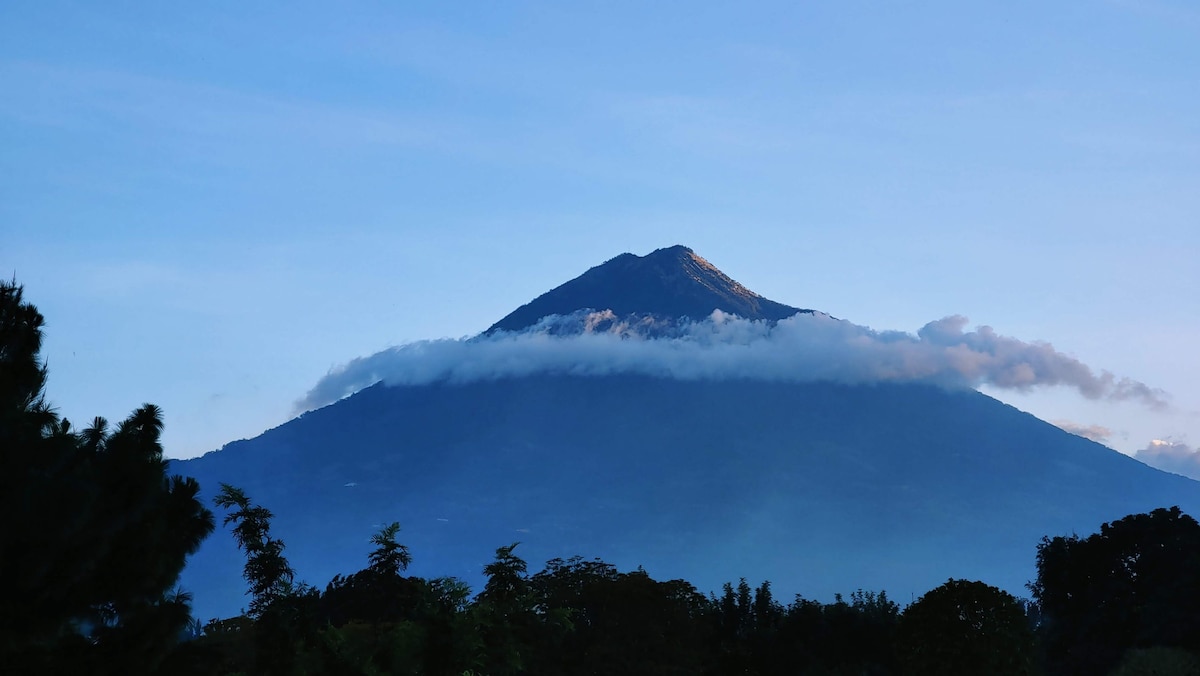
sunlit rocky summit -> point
(664, 285)
(816, 485)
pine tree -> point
(94, 532)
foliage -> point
(852, 637)
(963, 627)
(594, 619)
(1159, 662)
(390, 557)
(1131, 585)
(374, 621)
(268, 572)
(580, 616)
(95, 532)
(505, 614)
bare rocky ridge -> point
(670, 283)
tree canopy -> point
(95, 532)
(966, 627)
(1132, 585)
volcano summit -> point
(669, 283)
(655, 412)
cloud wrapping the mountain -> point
(1171, 456)
(801, 348)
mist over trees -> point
(95, 534)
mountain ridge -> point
(669, 283)
(817, 486)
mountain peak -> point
(677, 250)
(670, 283)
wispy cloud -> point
(1171, 456)
(802, 348)
(1098, 433)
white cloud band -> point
(801, 348)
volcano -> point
(819, 487)
(667, 284)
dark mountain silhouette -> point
(668, 283)
(819, 487)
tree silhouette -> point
(268, 572)
(95, 532)
(506, 614)
(965, 627)
(1131, 585)
(851, 637)
(389, 557)
(378, 593)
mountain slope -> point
(667, 283)
(819, 487)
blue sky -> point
(216, 203)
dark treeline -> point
(1121, 601)
(95, 534)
